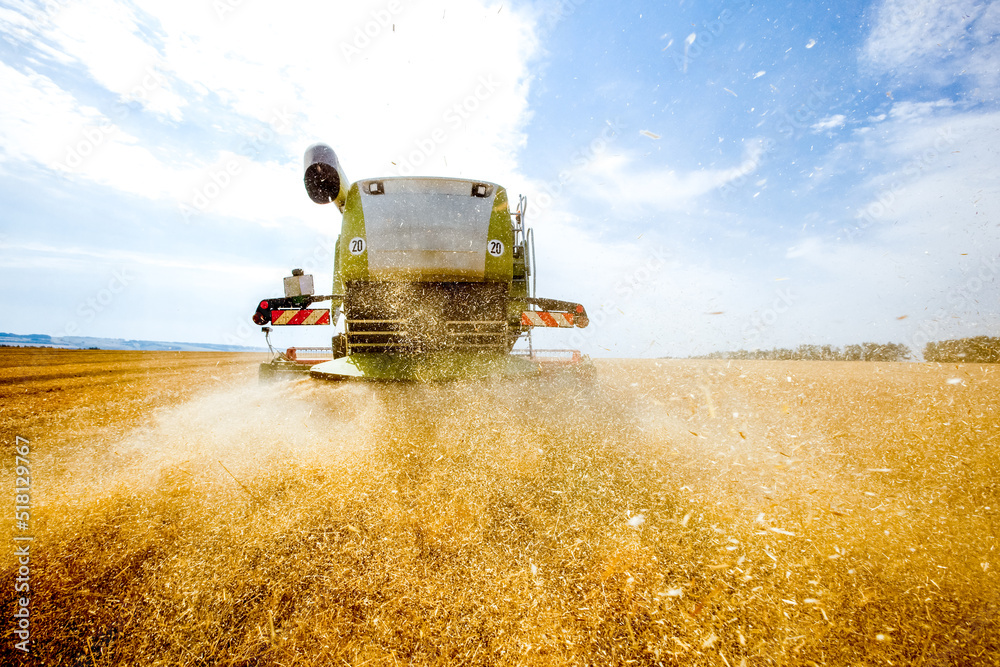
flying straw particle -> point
(675, 592)
(759, 74)
(954, 381)
(687, 45)
(811, 43)
(709, 641)
(730, 92)
(687, 517)
(637, 521)
(647, 133)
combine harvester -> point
(434, 277)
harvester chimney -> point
(324, 179)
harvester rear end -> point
(433, 280)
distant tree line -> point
(979, 349)
(862, 352)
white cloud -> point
(615, 179)
(40, 256)
(401, 75)
(807, 247)
(645, 294)
(20, 25)
(936, 40)
(39, 120)
(43, 123)
(907, 111)
(105, 36)
(908, 31)
(942, 183)
(422, 107)
(829, 123)
(928, 222)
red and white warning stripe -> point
(307, 316)
(544, 318)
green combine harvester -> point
(433, 278)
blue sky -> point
(702, 176)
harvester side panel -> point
(353, 257)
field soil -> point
(673, 512)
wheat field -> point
(668, 512)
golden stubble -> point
(674, 512)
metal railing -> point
(402, 336)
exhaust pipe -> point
(324, 179)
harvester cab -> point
(434, 278)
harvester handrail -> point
(529, 246)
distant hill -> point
(85, 342)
